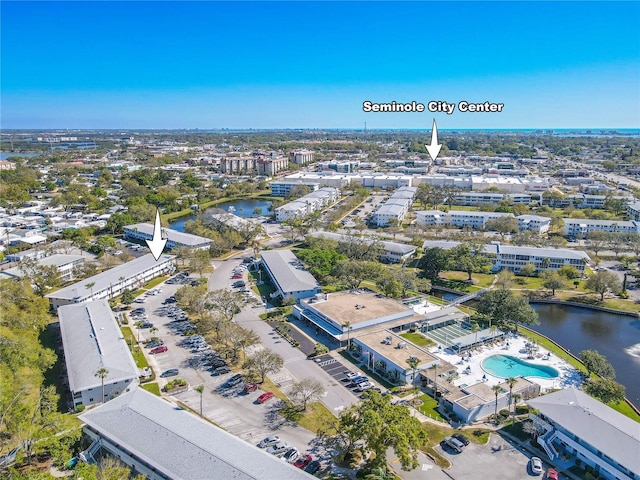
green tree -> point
(603, 281)
(354, 272)
(597, 363)
(528, 270)
(200, 261)
(569, 271)
(605, 389)
(470, 258)
(127, 297)
(597, 240)
(553, 281)
(264, 362)
(306, 391)
(502, 307)
(433, 261)
(43, 277)
(504, 279)
(378, 425)
(504, 225)
(200, 390)
(413, 363)
(225, 302)
(320, 262)
(511, 381)
(496, 390)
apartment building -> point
(475, 220)
(479, 220)
(480, 198)
(581, 227)
(392, 252)
(395, 208)
(288, 274)
(534, 223)
(633, 210)
(307, 204)
(283, 188)
(175, 239)
(301, 157)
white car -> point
(291, 455)
(269, 441)
(536, 466)
(278, 448)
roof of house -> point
(614, 434)
(173, 235)
(389, 247)
(92, 340)
(288, 271)
(495, 248)
(180, 445)
(109, 277)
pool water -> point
(507, 366)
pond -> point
(246, 208)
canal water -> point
(242, 208)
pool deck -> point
(567, 375)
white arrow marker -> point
(157, 244)
(434, 148)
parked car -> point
(303, 461)
(235, 380)
(457, 445)
(291, 455)
(313, 467)
(221, 370)
(250, 387)
(154, 344)
(269, 441)
(172, 372)
(364, 386)
(146, 325)
(461, 438)
(264, 397)
(351, 375)
(160, 349)
(536, 465)
(278, 448)
(552, 474)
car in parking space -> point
(264, 397)
(364, 386)
(552, 474)
(303, 461)
(221, 370)
(279, 448)
(250, 387)
(461, 438)
(234, 380)
(456, 445)
(313, 467)
(536, 465)
(291, 455)
(351, 375)
(357, 381)
(268, 441)
(160, 349)
(172, 372)
(154, 344)
(146, 325)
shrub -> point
(80, 407)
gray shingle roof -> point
(614, 434)
(288, 271)
(183, 238)
(179, 444)
(92, 340)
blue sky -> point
(311, 65)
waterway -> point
(5, 155)
(245, 208)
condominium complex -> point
(307, 204)
(581, 227)
(480, 220)
(395, 208)
(175, 239)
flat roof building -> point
(92, 340)
(288, 274)
(65, 264)
(175, 239)
(160, 441)
(112, 282)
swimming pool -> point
(507, 366)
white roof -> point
(173, 235)
(178, 444)
(288, 271)
(92, 340)
(612, 433)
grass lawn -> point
(436, 300)
(152, 387)
(317, 419)
(429, 406)
(481, 280)
(435, 434)
(515, 429)
(531, 283)
(156, 281)
(136, 351)
(418, 339)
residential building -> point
(65, 264)
(428, 218)
(307, 204)
(283, 188)
(482, 198)
(301, 157)
(395, 208)
(534, 223)
(581, 227)
(112, 282)
(92, 341)
(392, 252)
(288, 274)
(513, 257)
(633, 210)
(175, 239)
(160, 441)
(474, 220)
(575, 424)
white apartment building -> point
(534, 223)
(396, 207)
(633, 210)
(92, 340)
(288, 274)
(393, 252)
(65, 264)
(307, 204)
(479, 198)
(175, 239)
(283, 188)
(475, 220)
(581, 227)
(301, 157)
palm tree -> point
(516, 398)
(511, 381)
(347, 325)
(90, 286)
(102, 373)
(200, 390)
(475, 328)
(413, 362)
(434, 367)
(496, 390)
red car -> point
(265, 396)
(303, 461)
(160, 349)
(552, 474)
(250, 387)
